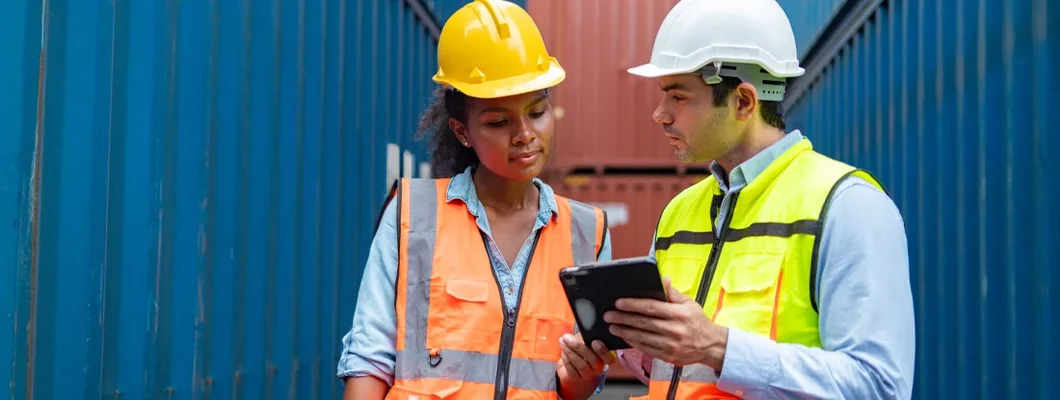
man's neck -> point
(753, 143)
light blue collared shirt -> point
(369, 348)
(864, 298)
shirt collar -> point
(746, 172)
(462, 188)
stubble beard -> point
(709, 142)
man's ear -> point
(745, 98)
(460, 130)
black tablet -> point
(592, 290)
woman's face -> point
(512, 136)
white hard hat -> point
(747, 39)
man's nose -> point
(661, 116)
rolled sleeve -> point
(369, 348)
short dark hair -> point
(449, 157)
(772, 111)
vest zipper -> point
(706, 280)
(504, 353)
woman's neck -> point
(504, 194)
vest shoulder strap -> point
(687, 201)
(424, 209)
(588, 230)
(835, 173)
(390, 195)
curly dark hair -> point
(448, 156)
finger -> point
(606, 356)
(672, 294)
(650, 352)
(575, 363)
(648, 307)
(588, 355)
(572, 372)
(647, 342)
(561, 369)
(637, 321)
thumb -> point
(672, 294)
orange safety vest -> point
(455, 337)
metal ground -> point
(621, 390)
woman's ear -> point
(460, 130)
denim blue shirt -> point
(369, 348)
(864, 298)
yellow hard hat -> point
(492, 48)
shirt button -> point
(509, 290)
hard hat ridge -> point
(492, 48)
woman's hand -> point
(580, 367)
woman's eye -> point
(497, 124)
(537, 114)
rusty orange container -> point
(604, 113)
(633, 204)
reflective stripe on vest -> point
(755, 273)
(454, 349)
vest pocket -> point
(684, 272)
(463, 306)
(547, 331)
(749, 291)
(468, 290)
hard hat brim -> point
(652, 71)
(512, 86)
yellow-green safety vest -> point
(759, 266)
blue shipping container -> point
(809, 19)
(188, 188)
(949, 102)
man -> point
(787, 271)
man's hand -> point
(580, 367)
(676, 331)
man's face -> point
(698, 130)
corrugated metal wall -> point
(809, 18)
(188, 188)
(604, 113)
(633, 203)
(952, 104)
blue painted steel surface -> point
(809, 18)
(951, 103)
(18, 108)
(188, 213)
(448, 7)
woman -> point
(461, 297)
